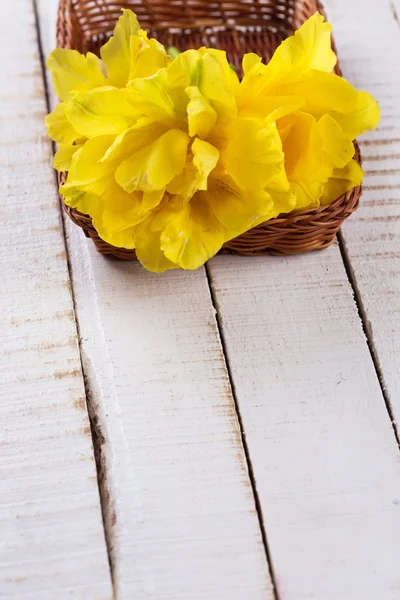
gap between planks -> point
(366, 325)
(394, 12)
(97, 437)
(242, 433)
(369, 240)
(50, 503)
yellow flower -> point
(60, 130)
(127, 55)
(173, 158)
(315, 152)
(92, 189)
(130, 53)
(196, 174)
(318, 113)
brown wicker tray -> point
(237, 27)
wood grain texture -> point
(321, 443)
(323, 451)
(179, 506)
(372, 236)
(52, 540)
(181, 514)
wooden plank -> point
(52, 539)
(323, 452)
(372, 236)
(180, 509)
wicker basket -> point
(237, 27)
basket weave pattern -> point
(237, 27)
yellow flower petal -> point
(323, 93)
(73, 72)
(253, 155)
(154, 166)
(121, 210)
(180, 74)
(250, 61)
(309, 48)
(151, 200)
(272, 107)
(342, 181)
(237, 211)
(218, 83)
(87, 174)
(115, 215)
(205, 158)
(117, 227)
(91, 188)
(364, 117)
(302, 146)
(306, 193)
(116, 53)
(104, 111)
(147, 56)
(219, 56)
(195, 173)
(144, 132)
(130, 54)
(201, 115)
(148, 246)
(284, 203)
(312, 151)
(59, 129)
(335, 143)
(184, 184)
(285, 125)
(64, 155)
(306, 165)
(121, 239)
(192, 233)
(184, 70)
(152, 100)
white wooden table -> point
(227, 434)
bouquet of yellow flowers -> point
(173, 157)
